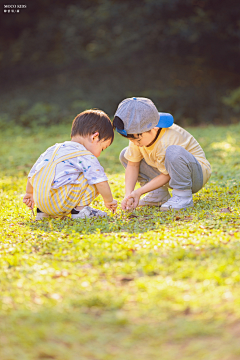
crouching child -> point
(67, 177)
(160, 155)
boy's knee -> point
(173, 152)
(122, 158)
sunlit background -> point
(58, 58)
(146, 285)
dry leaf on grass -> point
(132, 250)
(126, 279)
(185, 218)
(226, 210)
(188, 218)
(58, 274)
(132, 216)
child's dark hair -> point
(118, 123)
(90, 121)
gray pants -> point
(184, 170)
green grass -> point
(154, 286)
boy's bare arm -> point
(28, 197)
(104, 189)
(155, 183)
(131, 176)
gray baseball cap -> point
(140, 115)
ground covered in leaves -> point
(146, 285)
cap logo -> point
(134, 98)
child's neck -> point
(155, 138)
(79, 139)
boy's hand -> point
(28, 200)
(130, 203)
(111, 205)
(124, 203)
(132, 200)
(127, 203)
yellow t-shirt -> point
(154, 155)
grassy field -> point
(149, 286)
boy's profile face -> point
(144, 139)
(95, 145)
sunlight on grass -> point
(223, 146)
(137, 285)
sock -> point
(74, 211)
(183, 193)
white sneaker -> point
(179, 200)
(87, 212)
(155, 198)
(41, 215)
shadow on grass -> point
(143, 220)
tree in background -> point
(56, 36)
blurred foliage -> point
(233, 100)
(31, 116)
(63, 32)
(39, 113)
(186, 53)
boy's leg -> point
(74, 199)
(186, 177)
(146, 174)
(83, 210)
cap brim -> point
(122, 132)
(166, 120)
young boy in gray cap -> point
(160, 155)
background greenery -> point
(130, 286)
(133, 286)
(59, 58)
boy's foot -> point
(87, 212)
(41, 215)
(181, 199)
(155, 198)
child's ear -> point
(95, 136)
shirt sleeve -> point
(35, 166)
(41, 161)
(133, 153)
(92, 170)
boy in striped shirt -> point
(67, 177)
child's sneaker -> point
(87, 212)
(155, 198)
(181, 199)
(41, 215)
